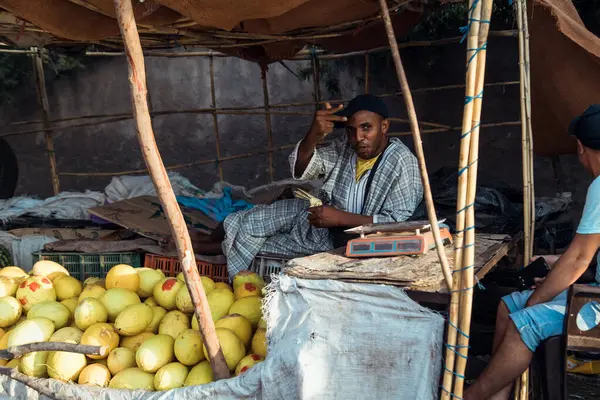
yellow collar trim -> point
(362, 166)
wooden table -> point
(421, 276)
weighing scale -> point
(393, 239)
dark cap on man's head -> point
(363, 102)
(586, 127)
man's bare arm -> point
(322, 126)
(305, 153)
(569, 267)
(331, 217)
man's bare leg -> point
(502, 323)
(511, 359)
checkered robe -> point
(282, 227)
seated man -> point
(526, 318)
(368, 178)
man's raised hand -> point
(324, 121)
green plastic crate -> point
(84, 265)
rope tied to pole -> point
(469, 99)
(465, 29)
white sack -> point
(128, 187)
(65, 205)
(328, 340)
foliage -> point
(328, 73)
(444, 21)
(16, 70)
(441, 21)
(62, 64)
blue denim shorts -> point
(539, 322)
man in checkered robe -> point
(368, 178)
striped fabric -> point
(283, 227)
(356, 192)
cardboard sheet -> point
(64, 233)
(145, 216)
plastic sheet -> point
(128, 187)
(327, 340)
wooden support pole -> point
(19, 351)
(40, 81)
(527, 253)
(467, 280)
(34, 383)
(529, 125)
(522, 385)
(213, 105)
(251, 110)
(266, 151)
(367, 73)
(465, 143)
(462, 294)
(414, 125)
(158, 173)
(265, 86)
(316, 74)
(301, 55)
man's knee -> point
(503, 309)
(513, 335)
(502, 314)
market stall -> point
(304, 337)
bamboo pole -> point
(264, 151)
(527, 156)
(366, 73)
(137, 80)
(423, 123)
(213, 104)
(456, 128)
(265, 86)
(15, 51)
(467, 281)
(527, 252)
(316, 74)
(302, 55)
(529, 124)
(221, 38)
(524, 386)
(60, 128)
(186, 165)
(225, 110)
(442, 128)
(40, 81)
(452, 348)
(414, 124)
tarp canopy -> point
(565, 56)
(565, 73)
(273, 30)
